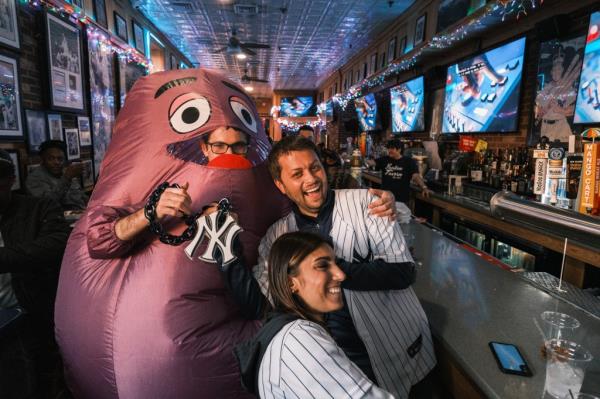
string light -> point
(104, 39)
(498, 11)
(294, 126)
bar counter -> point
(471, 302)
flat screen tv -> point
(408, 108)
(297, 106)
(482, 92)
(366, 110)
(587, 109)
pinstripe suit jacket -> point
(390, 323)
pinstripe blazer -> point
(392, 324)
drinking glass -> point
(566, 362)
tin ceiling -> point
(308, 39)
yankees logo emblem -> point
(219, 238)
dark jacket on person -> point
(35, 235)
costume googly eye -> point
(244, 114)
(190, 115)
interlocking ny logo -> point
(219, 237)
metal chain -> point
(157, 228)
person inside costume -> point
(136, 315)
(293, 354)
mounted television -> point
(297, 106)
(482, 92)
(408, 108)
(587, 108)
(366, 110)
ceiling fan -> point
(247, 78)
(235, 46)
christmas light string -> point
(500, 9)
(94, 32)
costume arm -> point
(47, 248)
(102, 240)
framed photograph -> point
(173, 62)
(9, 32)
(127, 75)
(100, 12)
(420, 30)
(138, 37)
(55, 127)
(373, 63)
(402, 47)
(36, 129)
(11, 126)
(65, 65)
(14, 155)
(87, 175)
(72, 141)
(120, 27)
(85, 133)
(102, 93)
(391, 53)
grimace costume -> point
(139, 319)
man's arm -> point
(377, 275)
(418, 180)
(48, 247)
(39, 186)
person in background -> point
(307, 131)
(293, 354)
(398, 172)
(33, 236)
(56, 180)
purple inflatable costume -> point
(138, 319)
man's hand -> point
(73, 170)
(174, 202)
(385, 206)
(425, 191)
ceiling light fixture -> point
(241, 56)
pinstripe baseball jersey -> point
(392, 324)
(303, 361)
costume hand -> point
(73, 170)
(385, 206)
(174, 202)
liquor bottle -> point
(476, 169)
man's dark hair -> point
(7, 167)
(306, 127)
(48, 144)
(285, 146)
(396, 144)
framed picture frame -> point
(87, 174)
(120, 27)
(138, 37)
(65, 64)
(402, 46)
(72, 141)
(11, 125)
(55, 127)
(373, 63)
(14, 155)
(36, 129)
(9, 28)
(100, 13)
(85, 132)
(420, 30)
(391, 50)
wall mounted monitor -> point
(297, 106)
(587, 109)
(482, 92)
(408, 106)
(366, 110)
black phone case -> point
(525, 371)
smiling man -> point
(382, 327)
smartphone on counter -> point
(509, 359)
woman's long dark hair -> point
(287, 252)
